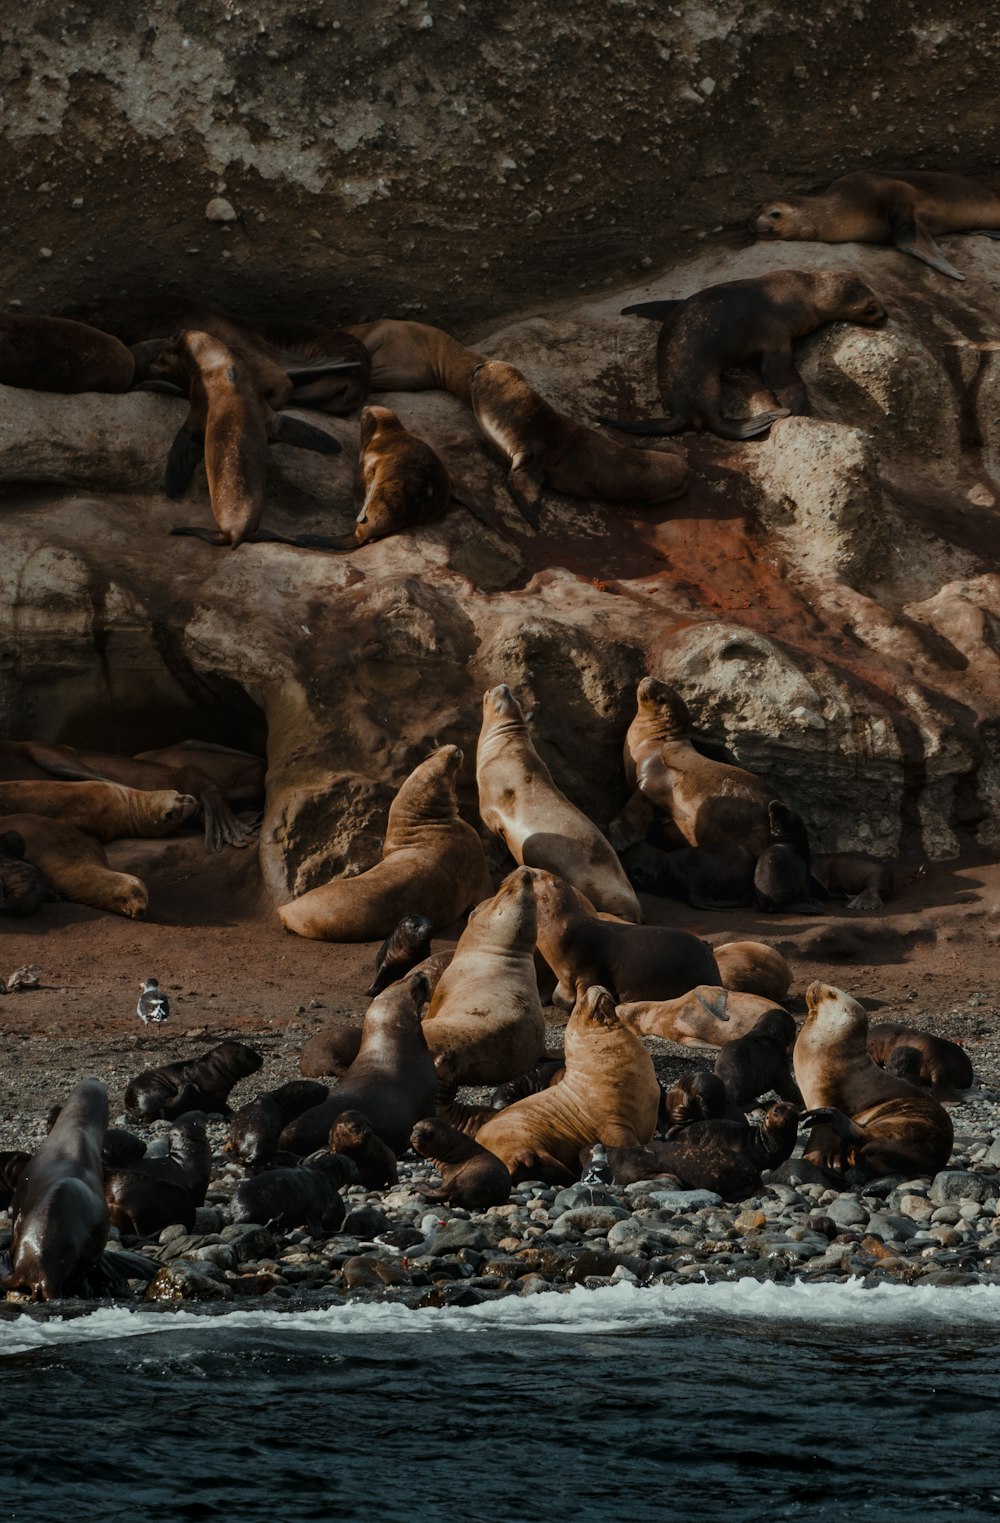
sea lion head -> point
(833, 1013)
(782, 219)
(848, 299)
(597, 1006)
(351, 1129)
(500, 704)
(665, 707)
(374, 418)
(172, 809)
(428, 1136)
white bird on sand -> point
(412, 1242)
(152, 1004)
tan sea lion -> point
(862, 1116)
(432, 864)
(706, 1017)
(519, 802)
(752, 967)
(608, 1094)
(545, 448)
(725, 1156)
(105, 811)
(740, 321)
(486, 1008)
(908, 209)
(400, 483)
(77, 867)
(471, 1176)
(409, 356)
(634, 961)
(56, 354)
(941, 1066)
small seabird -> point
(412, 1242)
(599, 1170)
(152, 1004)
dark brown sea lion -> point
(862, 1116)
(352, 1137)
(105, 811)
(864, 882)
(202, 1083)
(144, 1196)
(782, 880)
(725, 1156)
(12, 1165)
(391, 1081)
(55, 354)
(432, 864)
(461, 1115)
(706, 877)
(545, 1072)
(256, 1126)
(907, 209)
(737, 322)
(400, 482)
(698, 1096)
(408, 944)
(77, 866)
(409, 356)
(119, 1148)
(23, 886)
(545, 448)
(941, 1066)
(471, 1176)
(751, 1065)
(635, 962)
(307, 1196)
(60, 1215)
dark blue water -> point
(699, 1416)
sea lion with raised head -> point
(256, 1126)
(201, 1083)
(77, 866)
(725, 1156)
(471, 1176)
(102, 810)
(407, 945)
(57, 354)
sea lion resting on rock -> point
(432, 864)
(60, 1215)
(751, 1065)
(352, 1137)
(146, 1196)
(707, 1016)
(201, 1083)
(307, 1196)
(409, 356)
(77, 866)
(752, 967)
(105, 811)
(56, 354)
(941, 1066)
(256, 1127)
(608, 1094)
(724, 1156)
(905, 209)
(738, 321)
(520, 803)
(23, 886)
(471, 1176)
(862, 1116)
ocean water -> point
(694, 1403)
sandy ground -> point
(230, 970)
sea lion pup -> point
(548, 1070)
(306, 1196)
(458, 1113)
(145, 1196)
(23, 886)
(407, 945)
(486, 1007)
(739, 321)
(202, 1083)
(60, 1215)
(471, 1176)
(352, 1137)
(256, 1126)
(906, 209)
(751, 1065)
(862, 1116)
(56, 354)
(410, 356)
(752, 967)
(12, 1165)
(865, 882)
(711, 803)
(520, 803)
(699, 1096)
(77, 867)
(706, 1017)
(105, 811)
(432, 864)
(941, 1066)
(609, 1093)
(706, 877)
(782, 881)
(634, 961)
(725, 1156)
(391, 1081)
(545, 448)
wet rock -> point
(184, 1281)
(248, 1241)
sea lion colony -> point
(567, 911)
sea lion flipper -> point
(210, 536)
(985, 232)
(745, 428)
(911, 237)
(526, 490)
(656, 311)
(304, 375)
(657, 426)
(783, 380)
(287, 430)
(185, 456)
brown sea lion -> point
(407, 945)
(391, 1081)
(782, 881)
(486, 1008)
(941, 1066)
(461, 1115)
(608, 1094)
(862, 1116)
(55, 354)
(706, 877)
(60, 1215)
(400, 481)
(907, 209)
(741, 321)
(201, 1083)
(705, 1017)
(865, 882)
(144, 1197)
(76, 865)
(352, 1136)
(409, 356)
(23, 886)
(256, 1126)
(308, 1196)
(547, 1070)
(545, 448)
(698, 1096)
(752, 967)
(105, 811)
(634, 961)
(520, 803)
(12, 1165)
(432, 864)
(725, 1156)
(751, 1065)
(332, 1050)
(471, 1176)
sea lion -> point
(545, 448)
(698, 1096)
(12, 1165)
(547, 1070)
(752, 967)
(634, 961)
(706, 877)
(60, 1215)
(119, 1147)
(201, 1083)
(608, 1094)
(907, 209)
(105, 811)
(256, 1126)
(486, 1007)
(77, 867)
(860, 1115)
(941, 1066)
(751, 1065)
(520, 803)
(471, 1176)
(737, 322)
(307, 1196)
(725, 1156)
(23, 886)
(457, 1113)
(400, 482)
(332, 1050)
(409, 356)
(706, 1017)
(711, 803)
(55, 354)
(782, 882)
(432, 864)
(865, 882)
(145, 1196)
(407, 945)
(353, 1137)
(391, 1081)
